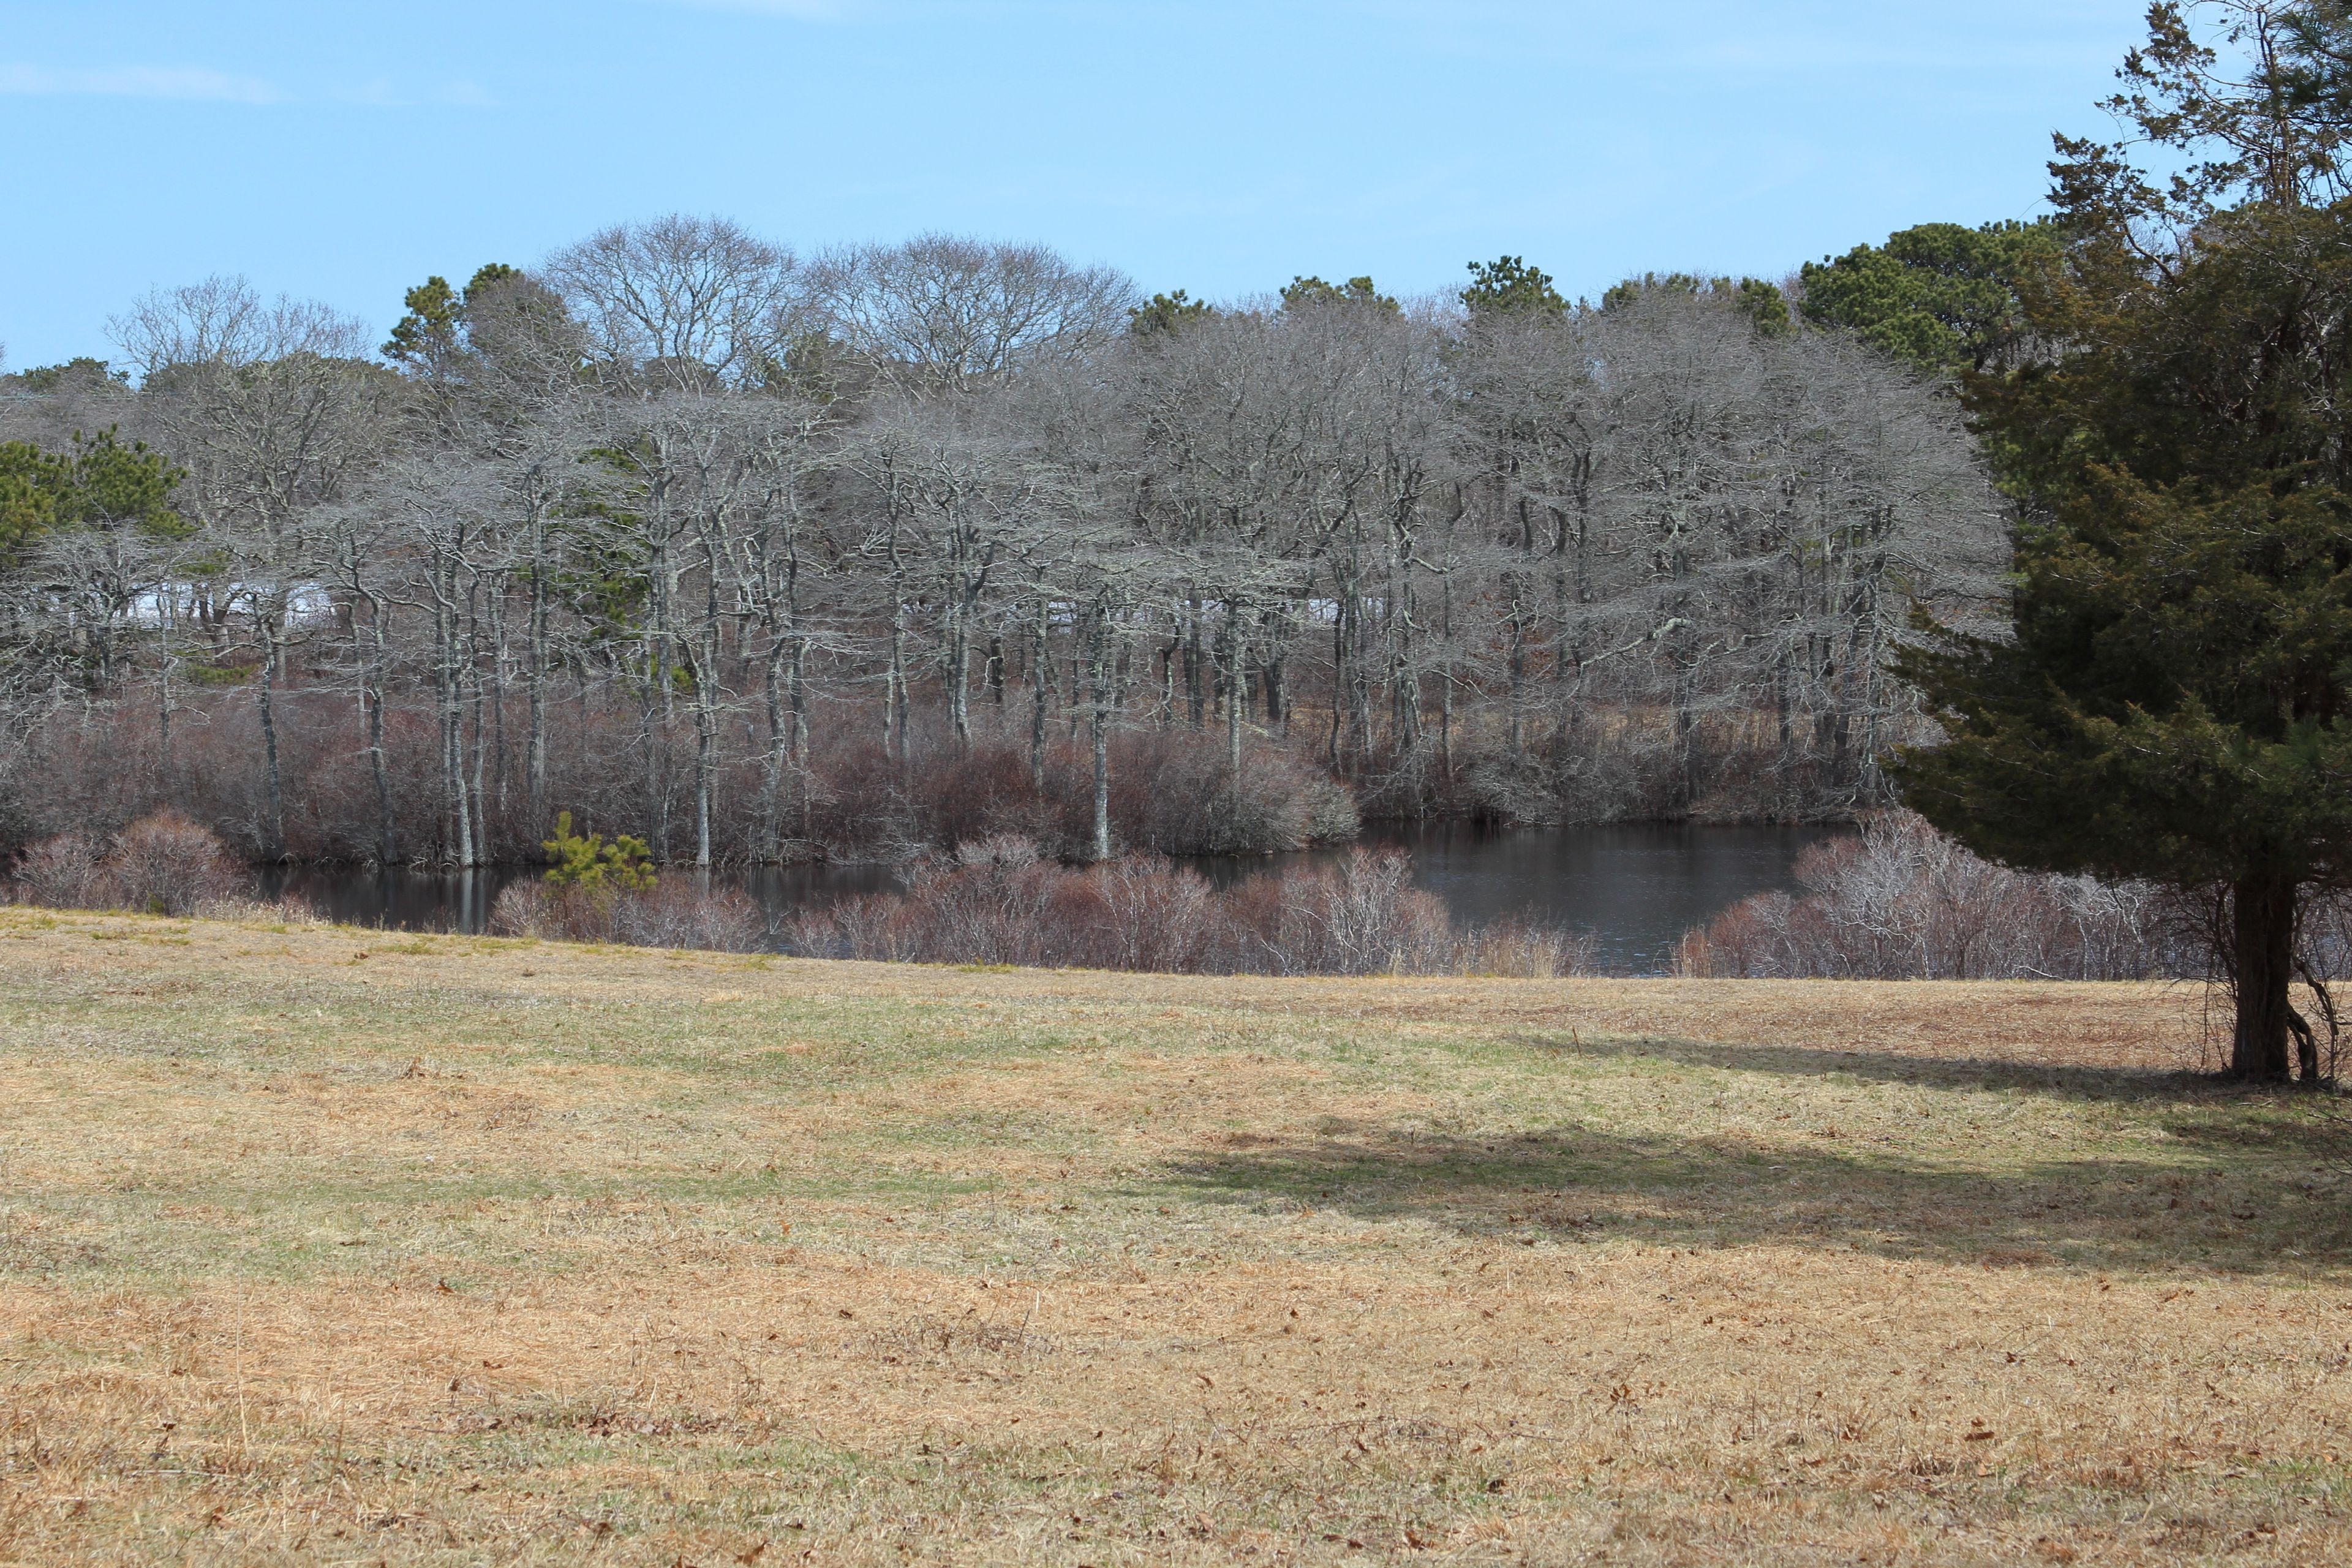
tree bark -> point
(273, 827)
(1236, 682)
(372, 699)
(535, 760)
(1041, 684)
(2262, 959)
(1098, 720)
(780, 732)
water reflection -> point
(400, 900)
(1638, 887)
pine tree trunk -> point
(1196, 698)
(706, 764)
(1102, 783)
(1515, 735)
(2262, 959)
(894, 690)
(480, 817)
(957, 665)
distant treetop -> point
(80, 370)
(1166, 313)
(1761, 302)
(1509, 285)
(436, 313)
(103, 483)
(1311, 293)
(1941, 296)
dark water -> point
(1637, 887)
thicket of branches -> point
(998, 902)
(763, 557)
(1899, 901)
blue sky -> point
(343, 150)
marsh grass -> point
(318, 1246)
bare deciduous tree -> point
(761, 560)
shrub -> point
(1174, 792)
(1149, 914)
(1359, 916)
(521, 909)
(596, 891)
(678, 913)
(1899, 901)
(1001, 902)
(166, 864)
(66, 872)
(1171, 792)
(161, 863)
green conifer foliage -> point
(2176, 702)
(1507, 285)
(1942, 296)
(586, 861)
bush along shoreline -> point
(1896, 900)
(1003, 901)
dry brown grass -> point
(321, 1245)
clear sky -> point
(345, 149)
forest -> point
(764, 556)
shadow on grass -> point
(1927, 1072)
(2204, 1109)
(1571, 1184)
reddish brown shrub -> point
(1000, 902)
(161, 863)
(1899, 901)
(66, 872)
(168, 864)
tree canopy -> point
(1940, 296)
(100, 482)
(1305, 293)
(2175, 701)
(1166, 312)
(1763, 303)
(1507, 285)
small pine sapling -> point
(586, 861)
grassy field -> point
(323, 1246)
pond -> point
(1638, 887)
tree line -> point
(764, 556)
